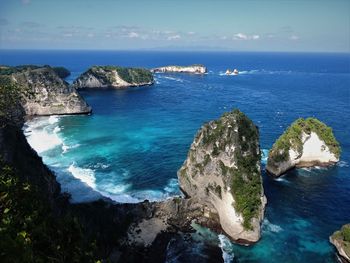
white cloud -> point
(91, 35)
(133, 35)
(174, 37)
(68, 35)
(294, 37)
(241, 36)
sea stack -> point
(222, 175)
(113, 77)
(341, 240)
(43, 92)
(306, 143)
(193, 69)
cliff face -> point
(194, 69)
(222, 175)
(341, 240)
(115, 77)
(305, 143)
(45, 93)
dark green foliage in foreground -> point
(292, 138)
(10, 94)
(29, 231)
(130, 75)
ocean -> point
(132, 145)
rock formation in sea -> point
(194, 69)
(222, 175)
(341, 240)
(306, 143)
(113, 77)
(43, 92)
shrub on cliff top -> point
(292, 139)
(30, 232)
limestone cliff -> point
(222, 174)
(341, 240)
(114, 77)
(43, 92)
(307, 142)
(194, 69)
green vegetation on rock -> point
(10, 95)
(245, 180)
(7, 70)
(292, 139)
(343, 237)
(130, 75)
(61, 72)
(29, 230)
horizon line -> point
(174, 50)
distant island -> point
(113, 77)
(193, 69)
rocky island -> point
(341, 240)
(306, 143)
(113, 77)
(193, 69)
(222, 175)
(42, 91)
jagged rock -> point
(222, 175)
(114, 77)
(341, 240)
(307, 142)
(43, 92)
(194, 69)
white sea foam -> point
(282, 179)
(342, 164)
(85, 175)
(42, 135)
(225, 246)
(53, 119)
(66, 148)
(113, 188)
(174, 79)
(267, 225)
(172, 187)
(264, 155)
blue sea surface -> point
(132, 145)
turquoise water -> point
(132, 145)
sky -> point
(246, 25)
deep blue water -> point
(132, 145)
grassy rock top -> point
(292, 139)
(130, 75)
(342, 237)
(7, 70)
